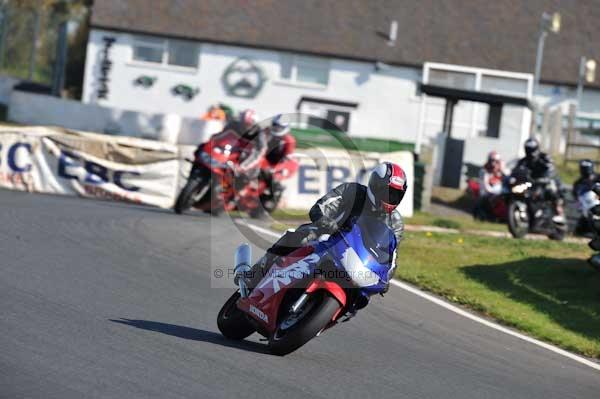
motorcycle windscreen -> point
(368, 257)
(378, 239)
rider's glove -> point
(327, 224)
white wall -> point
(590, 100)
(39, 109)
(387, 107)
(6, 86)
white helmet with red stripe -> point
(387, 186)
(248, 118)
(279, 128)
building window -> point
(182, 53)
(494, 116)
(304, 70)
(326, 114)
(147, 49)
(166, 52)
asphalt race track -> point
(104, 299)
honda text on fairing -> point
(529, 207)
(214, 185)
(312, 288)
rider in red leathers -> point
(491, 178)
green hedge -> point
(307, 138)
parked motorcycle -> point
(311, 289)
(589, 202)
(529, 208)
(213, 184)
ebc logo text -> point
(18, 157)
(69, 163)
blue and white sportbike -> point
(312, 288)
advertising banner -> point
(322, 170)
(51, 162)
(149, 172)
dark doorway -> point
(453, 160)
(339, 118)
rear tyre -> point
(232, 322)
(258, 213)
(517, 224)
(312, 319)
(271, 201)
(557, 235)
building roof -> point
(499, 34)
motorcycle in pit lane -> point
(213, 184)
(311, 289)
(529, 208)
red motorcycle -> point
(214, 185)
(496, 210)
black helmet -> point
(387, 186)
(586, 168)
(532, 148)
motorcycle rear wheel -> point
(311, 321)
(557, 235)
(517, 227)
(232, 322)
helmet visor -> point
(279, 130)
(394, 196)
(389, 195)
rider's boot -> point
(559, 218)
(594, 261)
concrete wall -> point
(387, 102)
(38, 109)
(6, 86)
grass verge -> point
(462, 223)
(542, 288)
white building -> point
(357, 64)
(282, 82)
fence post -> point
(570, 130)
(34, 39)
(4, 15)
(555, 131)
(58, 78)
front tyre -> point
(293, 331)
(186, 199)
(518, 221)
(232, 322)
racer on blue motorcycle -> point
(338, 208)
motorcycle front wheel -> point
(232, 322)
(518, 225)
(295, 330)
(189, 194)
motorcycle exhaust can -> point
(243, 259)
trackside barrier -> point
(57, 161)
